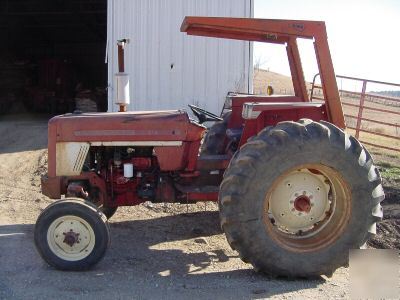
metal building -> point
(169, 69)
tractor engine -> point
(132, 175)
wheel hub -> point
(71, 238)
(302, 204)
(299, 201)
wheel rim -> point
(307, 208)
(71, 238)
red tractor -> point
(295, 192)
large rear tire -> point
(298, 196)
(72, 234)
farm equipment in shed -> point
(51, 88)
(295, 192)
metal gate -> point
(373, 116)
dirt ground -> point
(388, 229)
(157, 251)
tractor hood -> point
(171, 125)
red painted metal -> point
(298, 80)
(373, 121)
(363, 97)
(280, 31)
(369, 80)
(173, 158)
(376, 133)
(163, 147)
(51, 186)
(236, 120)
(380, 146)
(373, 108)
(132, 126)
(273, 113)
(116, 190)
(370, 96)
(51, 162)
(141, 163)
(75, 186)
(193, 153)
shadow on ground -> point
(142, 262)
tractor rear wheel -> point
(298, 196)
(72, 234)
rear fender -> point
(257, 116)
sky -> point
(364, 36)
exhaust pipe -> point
(122, 78)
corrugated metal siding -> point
(169, 69)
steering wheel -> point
(203, 115)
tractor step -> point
(202, 193)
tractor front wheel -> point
(71, 234)
(298, 196)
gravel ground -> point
(166, 251)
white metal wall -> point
(169, 69)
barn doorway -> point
(52, 56)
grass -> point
(378, 152)
(389, 171)
(379, 140)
